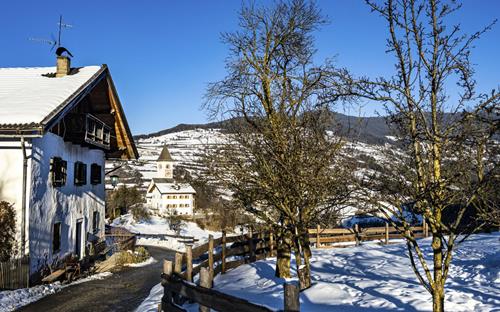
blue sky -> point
(162, 54)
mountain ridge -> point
(372, 130)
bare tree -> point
(446, 128)
(281, 163)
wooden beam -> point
(211, 298)
(123, 135)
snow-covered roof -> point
(175, 188)
(29, 95)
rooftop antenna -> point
(53, 42)
(61, 26)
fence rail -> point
(14, 273)
(325, 238)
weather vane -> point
(53, 42)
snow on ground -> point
(159, 225)
(148, 261)
(150, 304)
(371, 277)
(11, 300)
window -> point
(95, 174)
(95, 221)
(80, 173)
(58, 171)
(56, 237)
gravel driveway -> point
(122, 291)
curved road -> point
(122, 291)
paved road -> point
(122, 291)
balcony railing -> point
(97, 132)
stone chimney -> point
(63, 66)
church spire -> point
(165, 155)
(165, 164)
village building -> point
(164, 194)
(58, 125)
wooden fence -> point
(324, 238)
(14, 274)
(210, 259)
(118, 239)
(180, 238)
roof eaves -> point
(111, 84)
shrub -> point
(139, 212)
(8, 232)
(123, 199)
(128, 256)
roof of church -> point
(162, 180)
(175, 188)
(165, 155)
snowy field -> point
(159, 225)
(371, 277)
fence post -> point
(425, 228)
(178, 263)
(206, 282)
(189, 263)
(166, 300)
(167, 268)
(356, 234)
(178, 271)
(251, 246)
(318, 238)
(223, 255)
(386, 233)
(304, 277)
(291, 296)
(271, 243)
(211, 254)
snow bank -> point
(370, 277)
(152, 301)
(147, 262)
(11, 300)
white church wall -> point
(67, 204)
(165, 169)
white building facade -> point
(52, 154)
(164, 195)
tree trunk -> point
(438, 299)
(303, 267)
(438, 288)
(283, 254)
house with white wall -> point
(164, 195)
(58, 125)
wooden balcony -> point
(97, 132)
